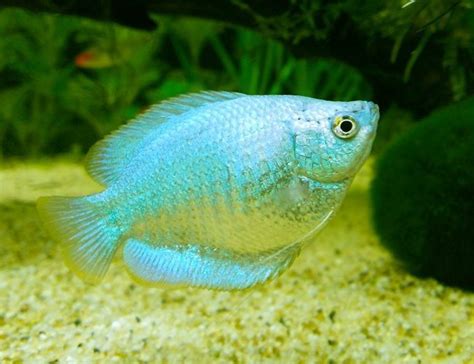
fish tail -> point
(88, 240)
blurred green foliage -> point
(65, 82)
(394, 21)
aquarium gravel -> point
(345, 299)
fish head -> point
(333, 139)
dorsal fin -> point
(108, 157)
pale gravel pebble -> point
(344, 300)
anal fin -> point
(195, 265)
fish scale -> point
(216, 189)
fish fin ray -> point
(200, 267)
(109, 156)
(87, 243)
(181, 104)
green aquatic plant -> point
(405, 49)
(422, 196)
(33, 79)
(113, 93)
(260, 66)
(50, 104)
(409, 23)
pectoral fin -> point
(195, 265)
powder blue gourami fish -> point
(214, 189)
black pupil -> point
(346, 126)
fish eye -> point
(345, 127)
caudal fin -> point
(88, 243)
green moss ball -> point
(423, 196)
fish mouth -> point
(374, 108)
(371, 127)
(375, 111)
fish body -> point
(216, 189)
